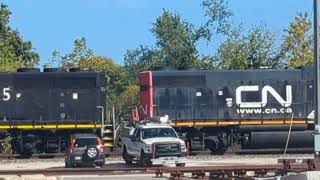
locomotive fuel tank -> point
(278, 139)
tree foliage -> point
(253, 49)
(128, 99)
(218, 13)
(79, 53)
(176, 40)
(298, 41)
(175, 46)
(14, 51)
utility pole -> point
(317, 81)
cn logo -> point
(264, 96)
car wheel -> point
(100, 164)
(144, 160)
(126, 157)
(68, 164)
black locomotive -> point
(39, 110)
(241, 109)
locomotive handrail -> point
(76, 120)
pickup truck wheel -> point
(144, 160)
(126, 156)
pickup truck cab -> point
(153, 144)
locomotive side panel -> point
(45, 108)
(74, 100)
(31, 99)
(196, 97)
(36, 98)
(268, 99)
(239, 109)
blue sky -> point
(111, 27)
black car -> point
(85, 149)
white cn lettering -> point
(241, 104)
(264, 98)
(284, 103)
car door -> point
(128, 142)
(136, 142)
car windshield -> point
(158, 132)
(83, 142)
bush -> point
(6, 145)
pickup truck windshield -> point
(158, 132)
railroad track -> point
(46, 156)
(216, 171)
(198, 156)
(117, 154)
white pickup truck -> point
(153, 144)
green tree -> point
(84, 58)
(298, 41)
(253, 49)
(140, 59)
(79, 53)
(14, 51)
(218, 15)
(232, 53)
(119, 90)
(128, 100)
(175, 46)
(176, 40)
(120, 93)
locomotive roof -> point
(84, 79)
(247, 74)
(54, 73)
(212, 77)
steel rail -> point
(232, 170)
